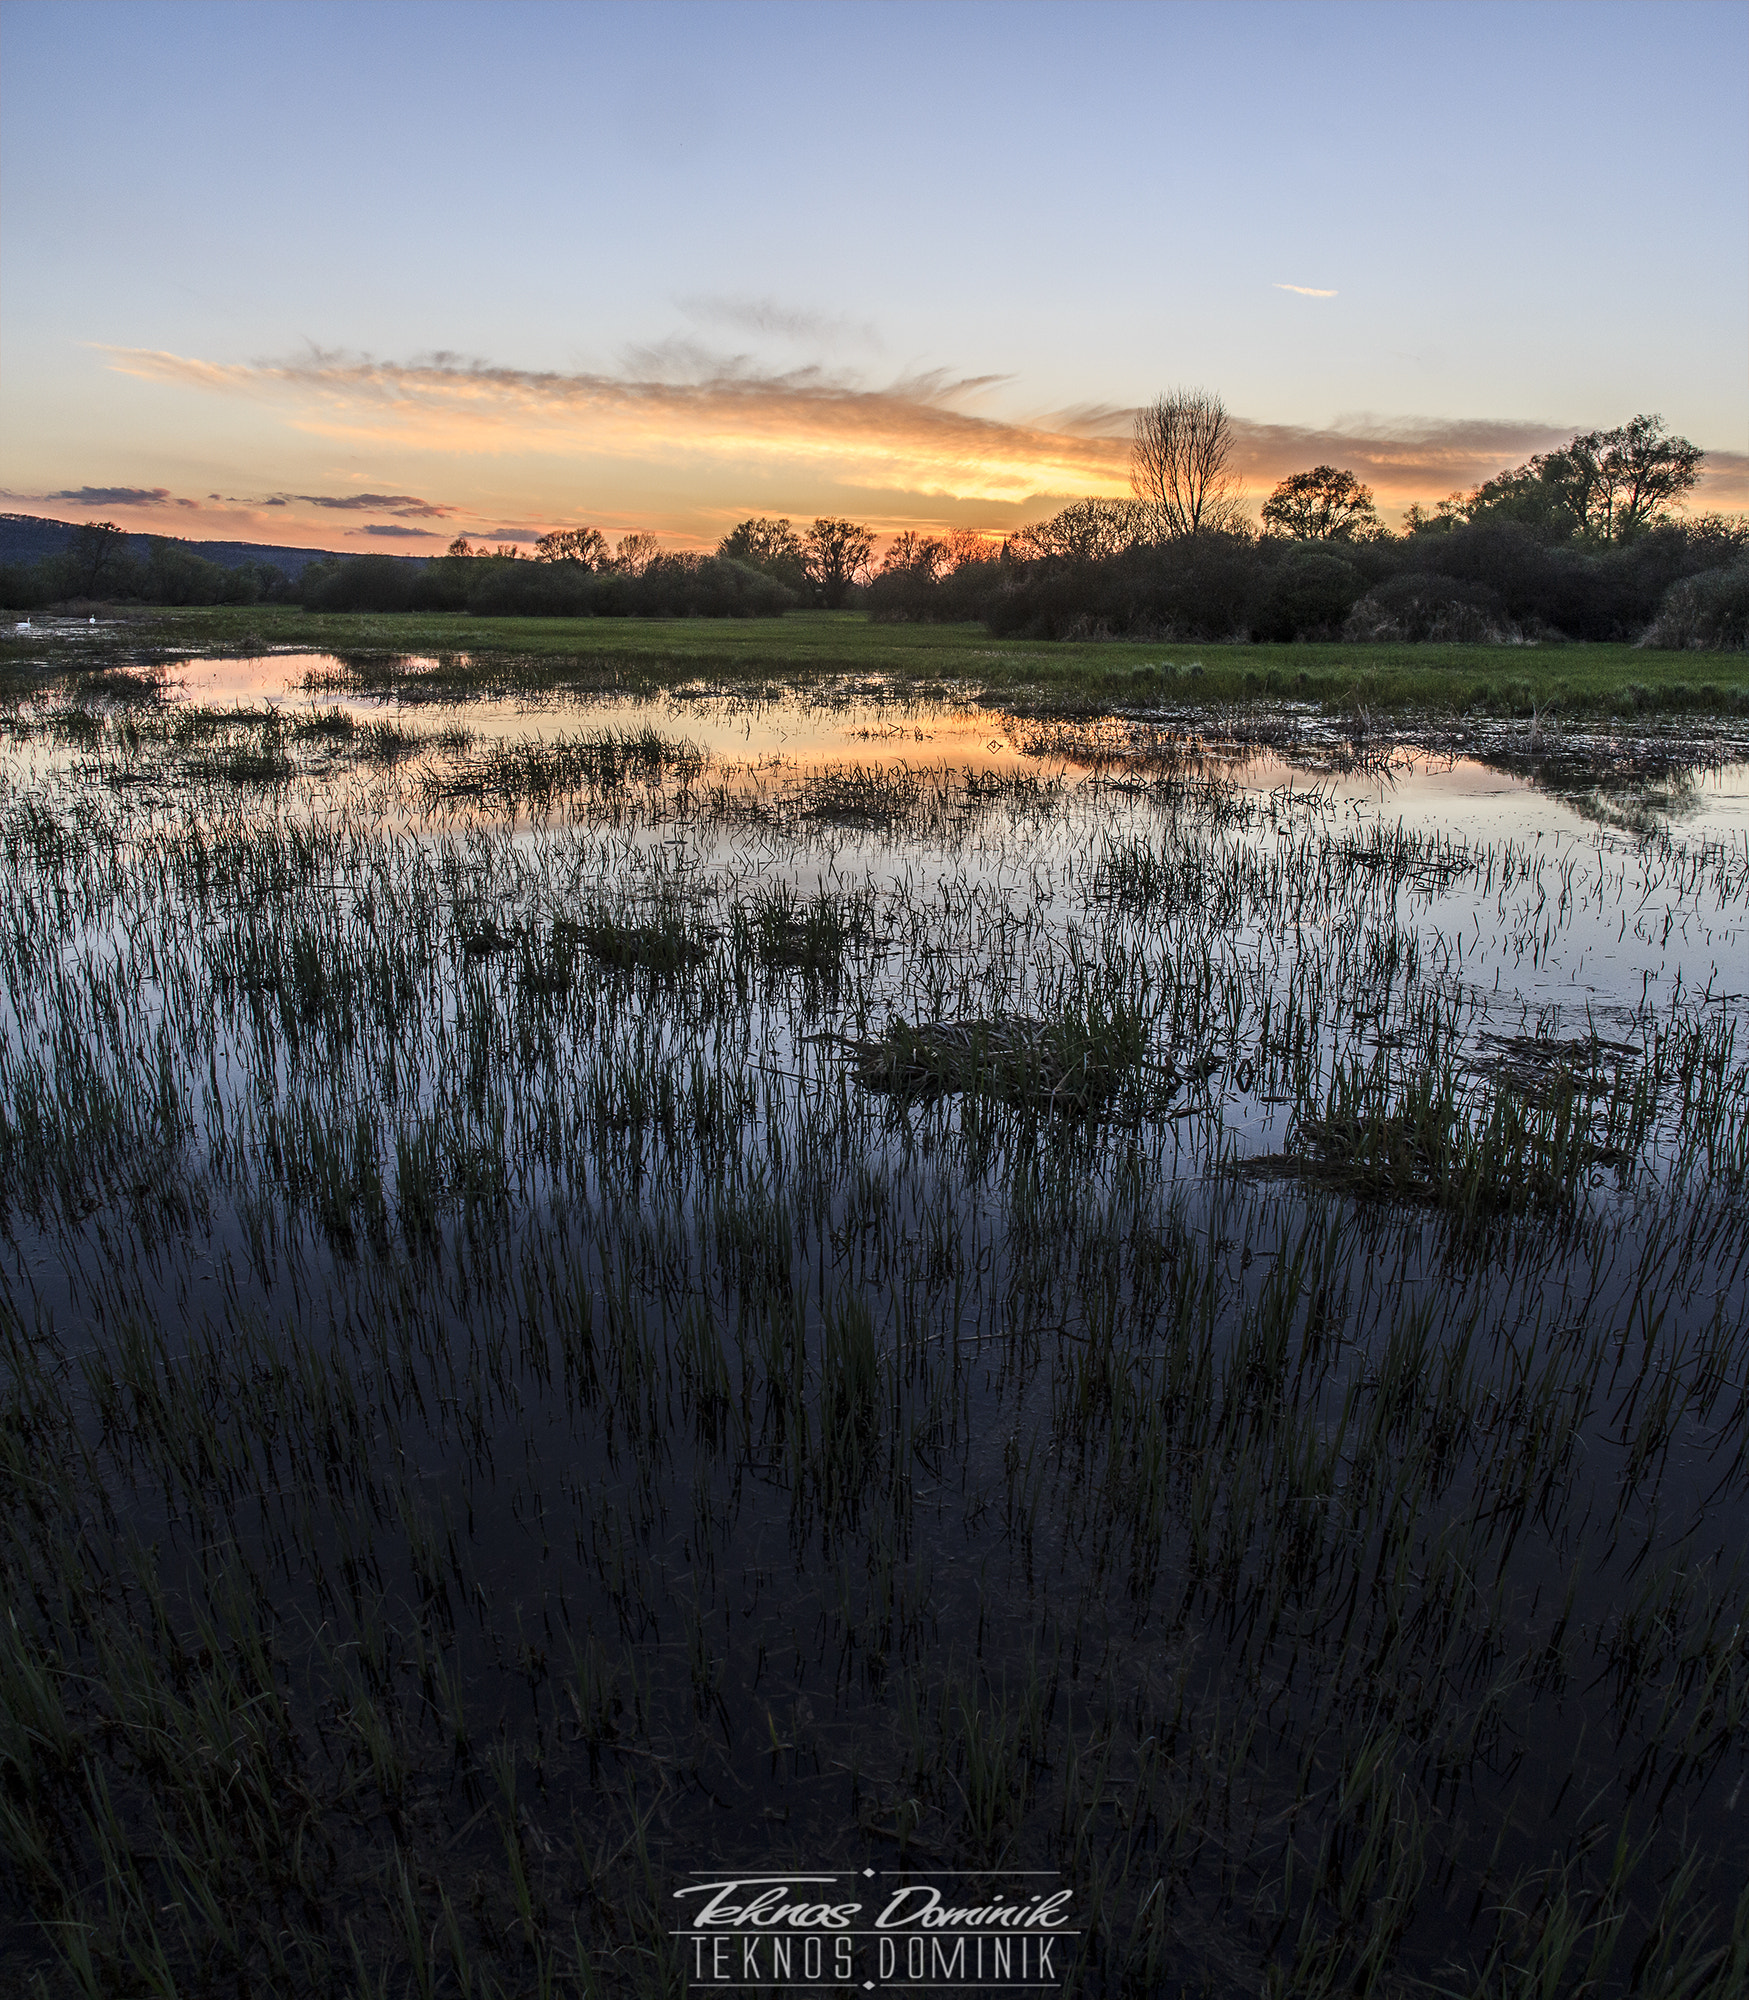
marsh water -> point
(610, 1283)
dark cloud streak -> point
(113, 496)
(407, 506)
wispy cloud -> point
(395, 530)
(908, 447)
(1407, 455)
(1305, 291)
(682, 399)
(772, 319)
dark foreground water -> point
(610, 1296)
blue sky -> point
(273, 267)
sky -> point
(374, 275)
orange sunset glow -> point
(500, 449)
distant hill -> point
(27, 538)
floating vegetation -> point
(571, 1318)
(862, 798)
(1540, 1067)
(1423, 1142)
(1065, 1066)
(667, 939)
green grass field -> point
(1340, 678)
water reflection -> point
(481, 1300)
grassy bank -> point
(1590, 680)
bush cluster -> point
(1676, 584)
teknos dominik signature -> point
(876, 1928)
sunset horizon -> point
(229, 315)
(807, 431)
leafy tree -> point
(176, 575)
(771, 546)
(636, 552)
(459, 548)
(1323, 505)
(1625, 479)
(97, 560)
(835, 555)
(1086, 531)
(1181, 465)
(1539, 496)
(587, 546)
(1606, 486)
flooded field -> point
(603, 1287)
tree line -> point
(1584, 542)
(97, 566)
(758, 570)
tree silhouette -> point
(1323, 505)
(1180, 465)
(771, 546)
(587, 546)
(835, 555)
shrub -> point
(670, 586)
(363, 583)
(1308, 596)
(1710, 610)
(1422, 606)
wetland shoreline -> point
(1551, 683)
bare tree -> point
(1180, 464)
(966, 545)
(927, 555)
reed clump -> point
(667, 939)
(1065, 1065)
(784, 931)
(1427, 1141)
